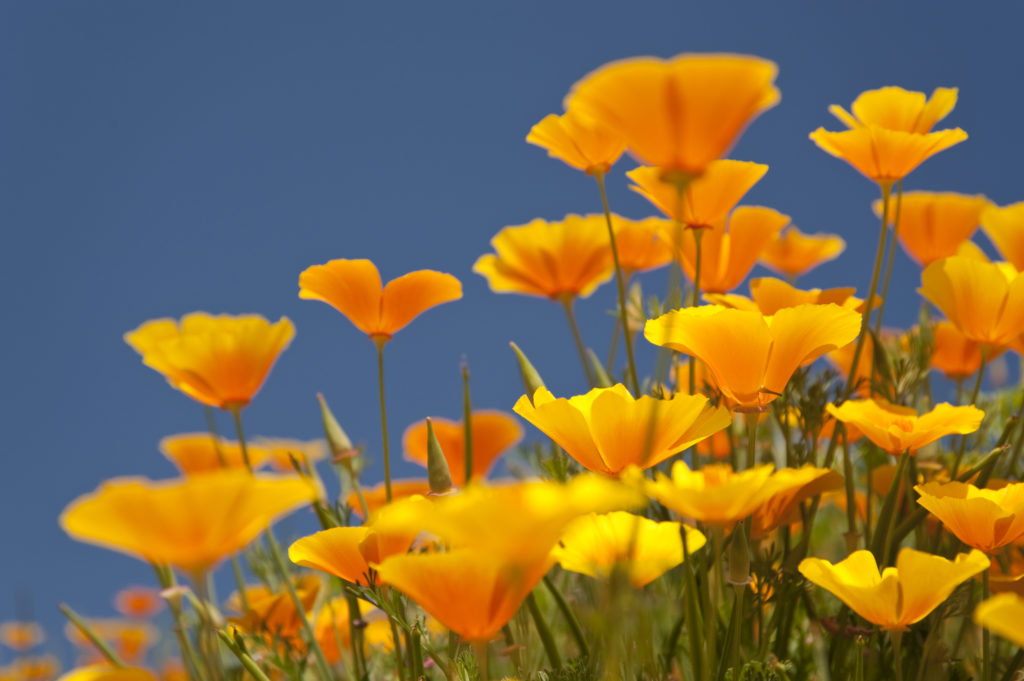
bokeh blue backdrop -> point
(160, 158)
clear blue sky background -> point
(161, 158)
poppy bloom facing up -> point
(578, 142)
(555, 260)
(1003, 615)
(678, 114)
(607, 429)
(900, 595)
(769, 295)
(597, 544)
(188, 522)
(750, 355)
(642, 244)
(707, 199)
(986, 519)
(220, 361)
(281, 451)
(934, 224)
(898, 429)
(984, 300)
(797, 484)
(195, 453)
(21, 636)
(493, 433)
(353, 288)
(1005, 228)
(793, 253)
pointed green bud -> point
(341, 447)
(739, 557)
(438, 475)
(603, 379)
(531, 379)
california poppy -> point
(1003, 615)
(493, 433)
(195, 453)
(138, 601)
(793, 253)
(768, 295)
(897, 429)
(281, 451)
(707, 199)
(577, 141)
(986, 519)
(953, 353)
(932, 225)
(642, 244)
(1004, 226)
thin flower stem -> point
(567, 302)
(165, 576)
(885, 534)
(698, 238)
(621, 285)
(379, 342)
(974, 400)
(890, 257)
(569, 615)
(354, 626)
(93, 637)
(852, 535)
(399, 663)
(851, 378)
(544, 632)
(243, 657)
(986, 647)
(482, 659)
(467, 421)
(211, 425)
(751, 419)
(236, 414)
(896, 636)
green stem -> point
(243, 657)
(211, 425)
(356, 632)
(569, 615)
(482, 659)
(567, 301)
(986, 647)
(236, 414)
(851, 378)
(467, 423)
(896, 637)
(884, 533)
(851, 497)
(621, 285)
(166, 579)
(890, 257)
(93, 637)
(751, 419)
(399, 662)
(698, 238)
(544, 632)
(236, 568)
(974, 400)
(379, 341)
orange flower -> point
(607, 429)
(280, 452)
(984, 300)
(782, 507)
(954, 354)
(898, 596)
(41, 668)
(130, 639)
(220, 361)
(752, 356)
(678, 114)
(549, 259)
(104, 672)
(141, 602)
(493, 433)
(707, 199)
(897, 429)
(577, 141)
(731, 249)
(272, 614)
(21, 636)
(353, 288)
(642, 244)
(934, 224)
(195, 453)
(769, 295)
(794, 253)
(986, 519)
(376, 498)
(1005, 228)
(332, 627)
(189, 522)
(841, 359)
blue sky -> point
(157, 159)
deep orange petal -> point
(406, 297)
(352, 287)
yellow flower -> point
(752, 356)
(220, 361)
(188, 522)
(595, 545)
(549, 259)
(376, 496)
(104, 672)
(577, 141)
(1005, 228)
(954, 354)
(897, 429)
(493, 433)
(642, 244)
(794, 253)
(900, 595)
(707, 199)
(985, 519)
(1003, 615)
(607, 429)
(331, 627)
(353, 288)
(769, 295)
(984, 300)
(678, 114)
(934, 224)
(731, 249)
(195, 453)
(795, 485)
(280, 452)
(890, 131)
(271, 612)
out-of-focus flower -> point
(782, 507)
(281, 451)
(731, 249)
(934, 224)
(196, 453)
(188, 522)
(220, 361)
(793, 253)
(555, 260)
(986, 519)
(890, 131)
(752, 356)
(607, 429)
(376, 498)
(954, 354)
(1002, 614)
(769, 295)
(841, 359)
(493, 433)
(36, 668)
(897, 429)
(331, 629)
(353, 288)
(898, 596)
(678, 114)
(1005, 228)
(578, 141)
(104, 672)
(597, 544)
(140, 602)
(984, 300)
(707, 199)
(272, 613)
(642, 244)
(131, 639)
(21, 636)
